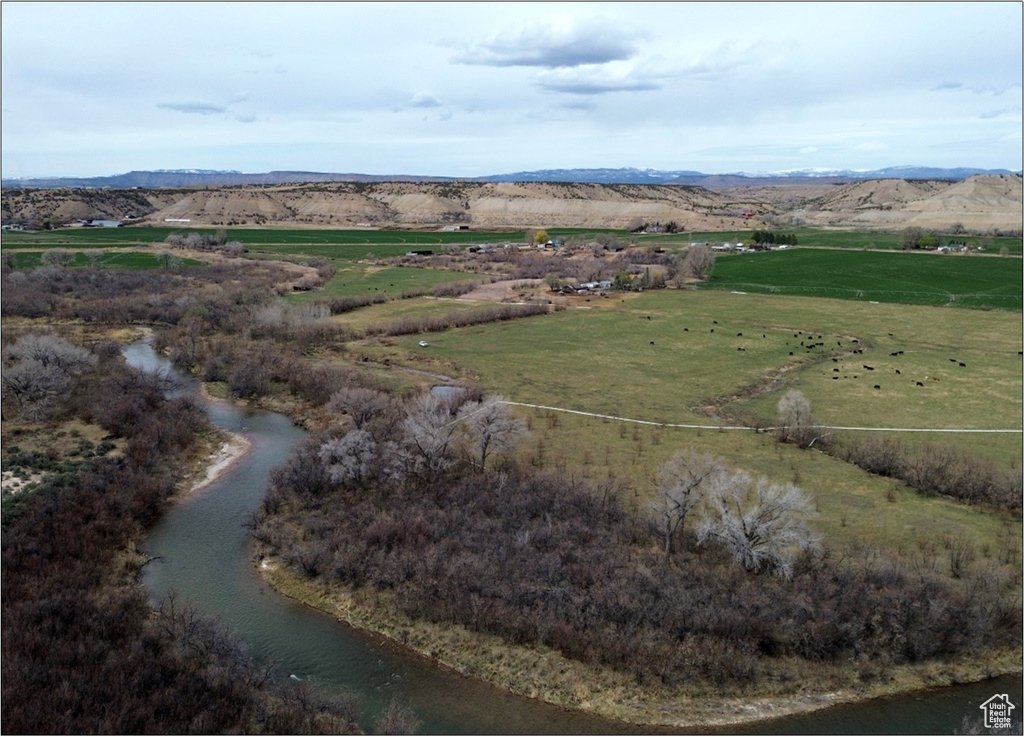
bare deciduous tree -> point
(762, 524)
(196, 241)
(360, 403)
(795, 424)
(681, 484)
(429, 433)
(397, 719)
(910, 238)
(168, 260)
(698, 262)
(57, 257)
(38, 369)
(491, 425)
(349, 460)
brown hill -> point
(981, 203)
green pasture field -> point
(109, 259)
(598, 357)
(906, 278)
(654, 357)
(856, 510)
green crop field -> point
(830, 238)
(86, 237)
(294, 238)
(907, 278)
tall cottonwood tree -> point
(491, 426)
(762, 524)
(795, 422)
(57, 257)
(681, 485)
(362, 404)
(698, 262)
(429, 433)
(350, 460)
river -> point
(206, 557)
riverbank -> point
(231, 449)
(544, 674)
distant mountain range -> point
(179, 178)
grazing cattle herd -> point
(818, 343)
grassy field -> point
(601, 360)
(906, 278)
(674, 357)
(654, 357)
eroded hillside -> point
(981, 203)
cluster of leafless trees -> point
(451, 289)
(412, 324)
(762, 524)
(117, 296)
(931, 469)
(697, 262)
(935, 469)
(401, 498)
(204, 242)
(38, 371)
(83, 651)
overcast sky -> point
(469, 89)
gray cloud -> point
(978, 89)
(193, 108)
(553, 45)
(593, 81)
(997, 113)
(423, 100)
